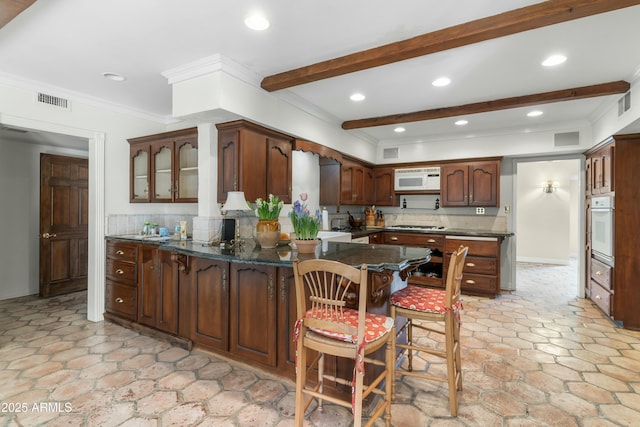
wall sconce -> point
(550, 186)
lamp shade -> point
(236, 202)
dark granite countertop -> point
(447, 232)
(377, 257)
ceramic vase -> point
(307, 246)
(268, 233)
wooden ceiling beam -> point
(9, 9)
(504, 24)
(583, 92)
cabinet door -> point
(210, 303)
(368, 188)
(167, 293)
(329, 182)
(186, 161)
(139, 180)
(253, 312)
(383, 182)
(162, 169)
(147, 285)
(483, 184)
(454, 182)
(588, 176)
(252, 173)
(347, 172)
(607, 170)
(228, 141)
(279, 169)
(287, 316)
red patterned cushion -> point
(376, 325)
(423, 299)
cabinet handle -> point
(394, 238)
(470, 264)
(431, 241)
(470, 282)
(598, 273)
(119, 300)
(119, 252)
(283, 289)
(119, 271)
(598, 297)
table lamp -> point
(236, 202)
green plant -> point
(305, 225)
(268, 209)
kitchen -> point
(105, 128)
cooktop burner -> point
(416, 227)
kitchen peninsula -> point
(239, 304)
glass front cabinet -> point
(164, 167)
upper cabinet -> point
(470, 184)
(599, 170)
(384, 194)
(164, 167)
(255, 160)
(352, 183)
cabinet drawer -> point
(480, 265)
(476, 247)
(479, 283)
(122, 271)
(601, 273)
(120, 250)
(601, 297)
(432, 241)
(121, 300)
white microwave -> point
(417, 179)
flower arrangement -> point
(270, 208)
(305, 225)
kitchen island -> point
(239, 304)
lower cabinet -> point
(481, 272)
(252, 312)
(158, 290)
(208, 297)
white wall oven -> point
(602, 227)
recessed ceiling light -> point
(534, 113)
(399, 129)
(461, 122)
(554, 60)
(442, 81)
(357, 97)
(257, 22)
(114, 76)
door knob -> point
(47, 235)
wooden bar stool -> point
(326, 325)
(437, 311)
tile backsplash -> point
(132, 224)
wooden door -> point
(368, 188)
(253, 312)
(210, 303)
(483, 183)
(228, 152)
(383, 184)
(162, 185)
(167, 303)
(455, 185)
(186, 170)
(252, 171)
(64, 221)
(147, 285)
(329, 182)
(279, 168)
(287, 316)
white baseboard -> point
(554, 261)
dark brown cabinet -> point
(158, 290)
(255, 160)
(121, 293)
(253, 312)
(164, 167)
(209, 303)
(481, 272)
(352, 183)
(470, 184)
(612, 283)
(329, 182)
(384, 194)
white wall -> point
(20, 215)
(546, 224)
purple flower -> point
(304, 196)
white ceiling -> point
(68, 44)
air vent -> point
(624, 103)
(566, 138)
(390, 153)
(55, 101)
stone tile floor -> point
(537, 357)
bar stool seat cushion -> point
(423, 299)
